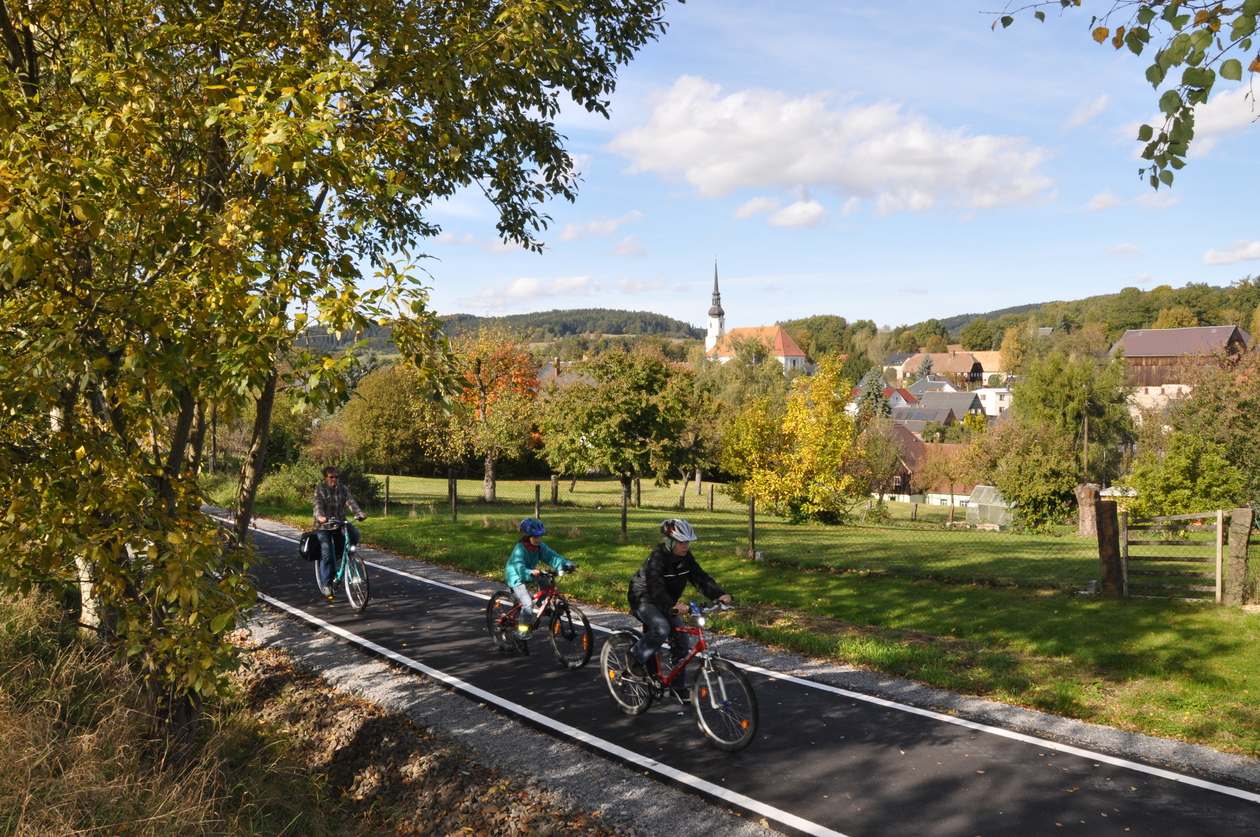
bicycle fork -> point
(717, 696)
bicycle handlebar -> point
(701, 610)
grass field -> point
(922, 548)
(1161, 668)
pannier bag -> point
(308, 546)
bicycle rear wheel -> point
(632, 695)
(571, 636)
(726, 708)
(356, 578)
(500, 621)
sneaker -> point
(684, 694)
(325, 590)
(634, 668)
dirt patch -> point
(393, 775)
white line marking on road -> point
(717, 791)
(914, 710)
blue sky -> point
(890, 161)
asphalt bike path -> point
(825, 761)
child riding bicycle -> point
(522, 566)
(654, 593)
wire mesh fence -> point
(916, 540)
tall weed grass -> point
(83, 754)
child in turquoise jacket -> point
(522, 566)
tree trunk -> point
(255, 462)
(196, 445)
(488, 483)
(682, 495)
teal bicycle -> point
(351, 569)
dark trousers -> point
(657, 630)
(330, 546)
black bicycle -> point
(572, 639)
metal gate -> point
(1160, 564)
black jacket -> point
(664, 576)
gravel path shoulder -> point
(630, 802)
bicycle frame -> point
(699, 650)
(542, 600)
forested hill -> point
(553, 325)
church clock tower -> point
(717, 317)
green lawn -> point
(1162, 668)
(923, 548)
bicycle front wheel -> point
(499, 620)
(571, 636)
(633, 695)
(726, 708)
(356, 578)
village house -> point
(1160, 359)
(906, 487)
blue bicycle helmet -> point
(533, 527)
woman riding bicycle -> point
(522, 566)
(654, 593)
(331, 499)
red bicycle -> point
(572, 639)
(722, 697)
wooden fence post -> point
(387, 495)
(537, 501)
(710, 496)
(638, 494)
(752, 528)
(453, 490)
(625, 502)
(1108, 522)
(555, 489)
(1237, 591)
(914, 512)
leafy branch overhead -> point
(1206, 39)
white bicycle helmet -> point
(678, 530)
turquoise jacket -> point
(524, 559)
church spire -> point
(716, 310)
(717, 317)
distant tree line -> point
(549, 326)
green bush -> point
(296, 484)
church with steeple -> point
(719, 343)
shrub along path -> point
(1174, 670)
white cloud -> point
(1142, 278)
(1085, 112)
(1122, 251)
(850, 206)
(630, 248)
(597, 227)
(638, 286)
(761, 138)
(1225, 114)
(1163, 199)
(806, 213)
(756, 206)
(1240, 251)
(911, 289)
(1103, 200)
(529, 289)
